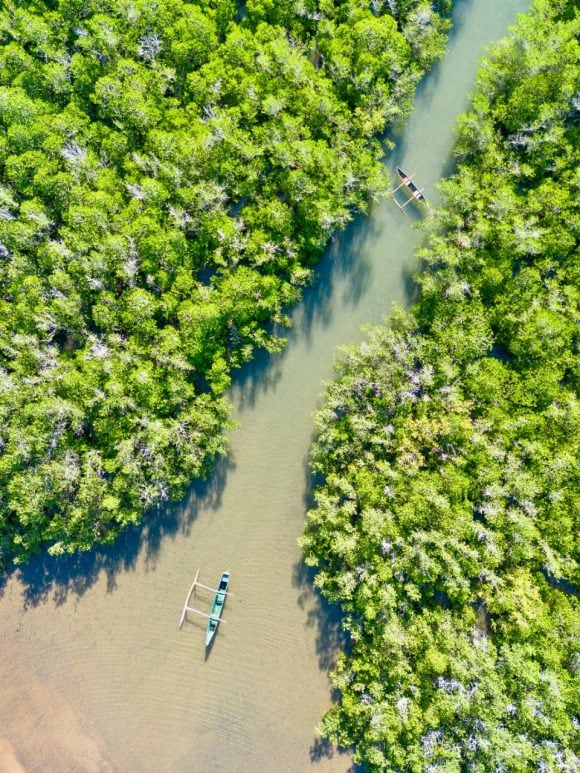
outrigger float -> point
(214, 618)
(407, 182)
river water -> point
(94, 673)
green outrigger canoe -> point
(215, 616)
(217, 608)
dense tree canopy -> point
(169, 172)
(447, 522)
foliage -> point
(169, 173)
(447, 522)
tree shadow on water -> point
(257, 377)
(323, 749)
(331, 641)
(342, 265)
(55, 578)
(331, 638)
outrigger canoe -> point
(217, 608)
(408, 182)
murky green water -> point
(94, 673)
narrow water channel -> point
(94, 673)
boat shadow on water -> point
(198, 629)
(54, 578)
(208, 650)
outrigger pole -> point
(414, 197)
(214, 590)
(187, 608)
(204, 614)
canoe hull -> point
(216, 608)
(410, 185)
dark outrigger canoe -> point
(217, 608)
(408, 182)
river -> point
(94, 673)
